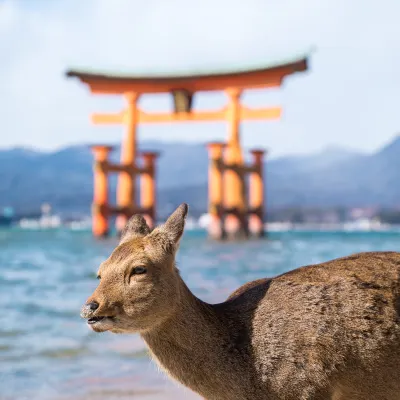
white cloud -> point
(350, 96)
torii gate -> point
(231, 215)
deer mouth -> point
(95, 320)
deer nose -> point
(93, 305)
(88, 309)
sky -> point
(350, 97)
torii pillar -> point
(216, 227)
(100, 206)
(234, 185)
(148, 187)
(126, 191)
(257, 204)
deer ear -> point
(136, 226)
(175, 224)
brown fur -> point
(326, 331)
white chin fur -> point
(102, 326)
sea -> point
(47, 352)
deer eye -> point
(138, 271)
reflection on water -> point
(48, 352)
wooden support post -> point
(234, 184)
(215, 190)
(148, 188)
(126, 191)
(100, 207)
(256, 198)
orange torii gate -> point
(231, 214)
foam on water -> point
(47, 351)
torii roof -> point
(270, 73)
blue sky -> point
(350, 97)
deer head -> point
(139, 283)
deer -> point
(318, 332)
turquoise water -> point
(47, 351)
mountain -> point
(332, 177)
(349, 180)
(28, 178)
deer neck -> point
(194, 346)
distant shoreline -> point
(273, 227)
